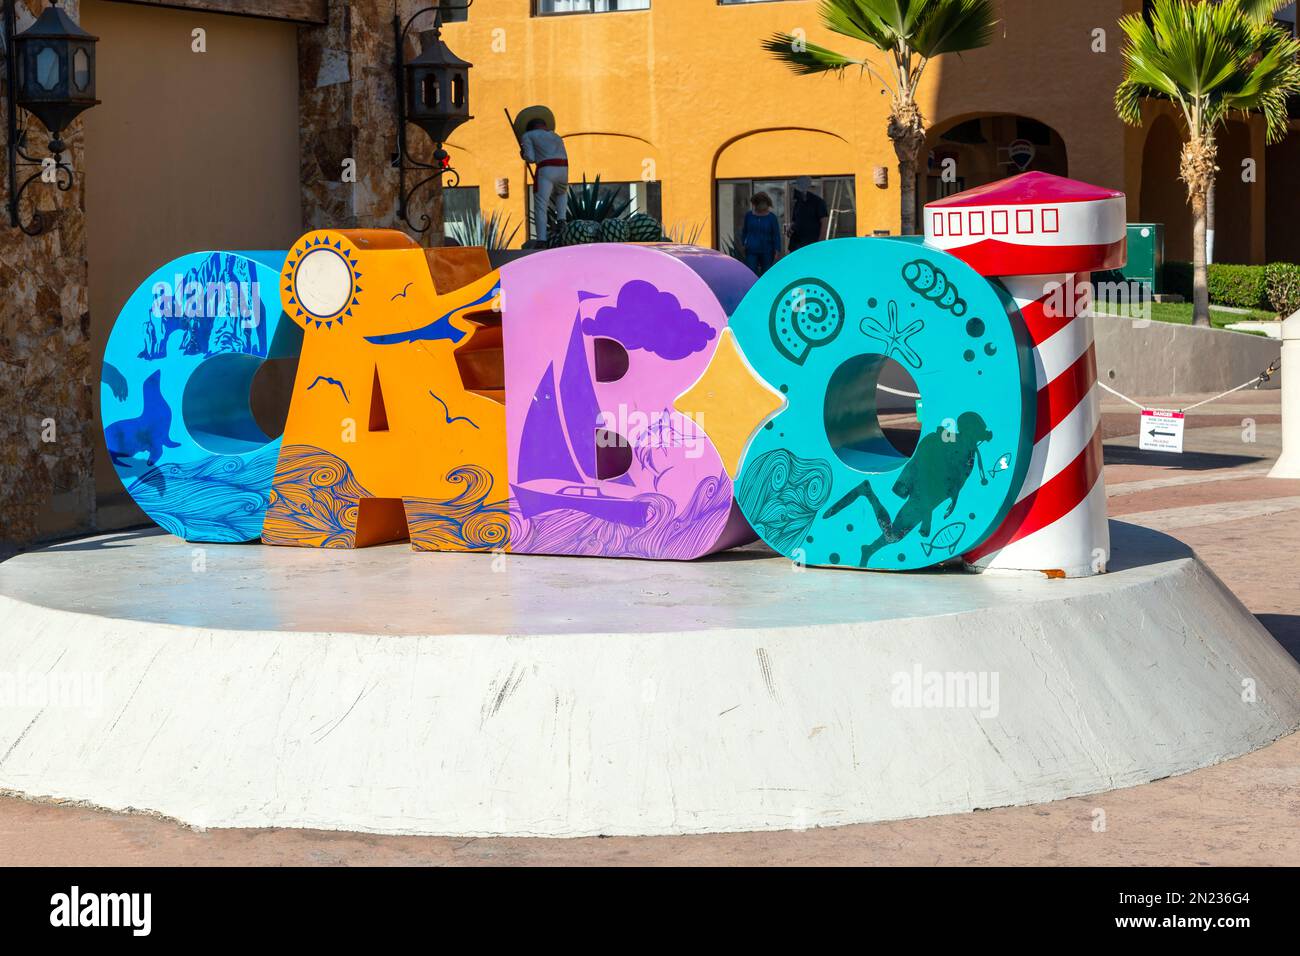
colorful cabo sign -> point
(651, 401)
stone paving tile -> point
(1207, 493)
(1259, 559)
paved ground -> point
(1215, 497)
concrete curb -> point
(1101, 683)
(1161, 358)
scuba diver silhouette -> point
(934, 474)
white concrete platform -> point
(394, 692)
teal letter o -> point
(819, 482)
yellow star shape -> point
(730, 402)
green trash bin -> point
(1146, 254)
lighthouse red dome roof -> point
(1029, 189)
(1031, 224)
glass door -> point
(733, 202)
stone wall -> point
(346, 72)
(46, 426)
(48, 429)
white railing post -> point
(1288, 466)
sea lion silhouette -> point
(936, 473)
(150, 431)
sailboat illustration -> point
(557, 449)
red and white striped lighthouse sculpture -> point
(1041, 236)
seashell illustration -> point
(931, 282)
(806, 314)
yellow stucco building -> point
(675, 101)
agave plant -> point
(590, 202)
(475, 229)
(685, 233)
(910, 33)
(636, 228)
(1211, 60)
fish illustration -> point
(945, 539)
(1002, 464)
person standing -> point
(760, 237)
(810, 219)
(545, 150)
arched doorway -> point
(972, 151)
(770, 161)
(1164, 194)
(1234, 220)
(1282, 241)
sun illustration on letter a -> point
(321, 282)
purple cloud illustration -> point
(645, 318)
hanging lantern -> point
(436, 87)
(51, 74)
(433, 94)
(55, 66)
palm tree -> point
(1261, 11)
(1211, 60)
(911, 33)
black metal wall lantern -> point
(433, 94)
(51, 75)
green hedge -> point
(1244, 287)
(1283, 279)
(1272, 287)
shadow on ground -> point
(1189, 460)
(1285, 628)
(106, 543)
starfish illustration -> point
(895, 339)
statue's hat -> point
(533, 113)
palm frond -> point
(1262, 11)
(955, 26)
(806, 58)
(873, 22)
(909, 31)
(1212, 59)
